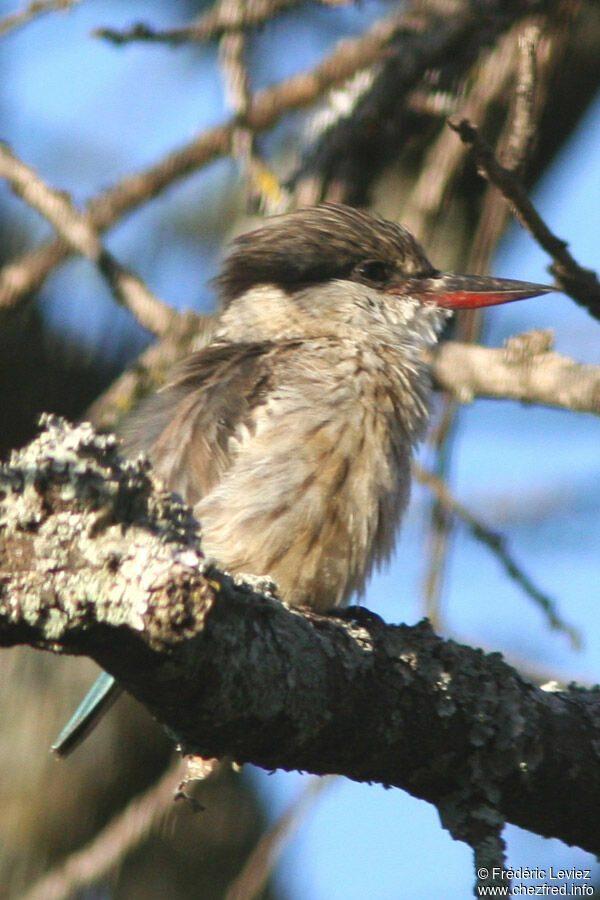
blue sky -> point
(84, 114)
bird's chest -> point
(350, 467)
(316, 488)
(378, 448)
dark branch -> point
(579, 283)
(97, 561)
(218, 21)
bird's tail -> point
(97, 701)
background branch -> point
(130, 828)
(526, 370)
(32, 11)
(126, 287)
(498, 546)
(581, 284)
(21, 276)
(217, 22)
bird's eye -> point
(374, 271)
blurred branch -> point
(24, 275)
(262, 188)
(526, 59)
(439, 521)
(97, 561)
(348, 147)
(222, 19)
(189, 333)
(497, 544)
(121, 836)
(444, 159)
(126, 287)
(526, 106)
(414, 46)
(579, 283)
(237, 84)
(35, 9)
(535, 54)
(526, 370)
(351, 148)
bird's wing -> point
(193, 427)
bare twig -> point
(120, 837)
(535, 58)
(76, 229)
(490, 77)
(27, 274)
(579, 283)
(492, 221)
(497, 544)
(439, 522)
(32, 11)
(513, 58)
(215, 23)
(264, 191)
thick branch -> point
(526, 369)
(96, 560)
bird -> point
(291, 433)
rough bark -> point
(97, 560)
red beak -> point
(470, 291)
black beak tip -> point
(472, 291)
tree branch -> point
(526, 369)
(27, 274)
(33, 10)
(218, 21)
(76, 229)
(579, 283)
(498, 546)
(97, 560)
